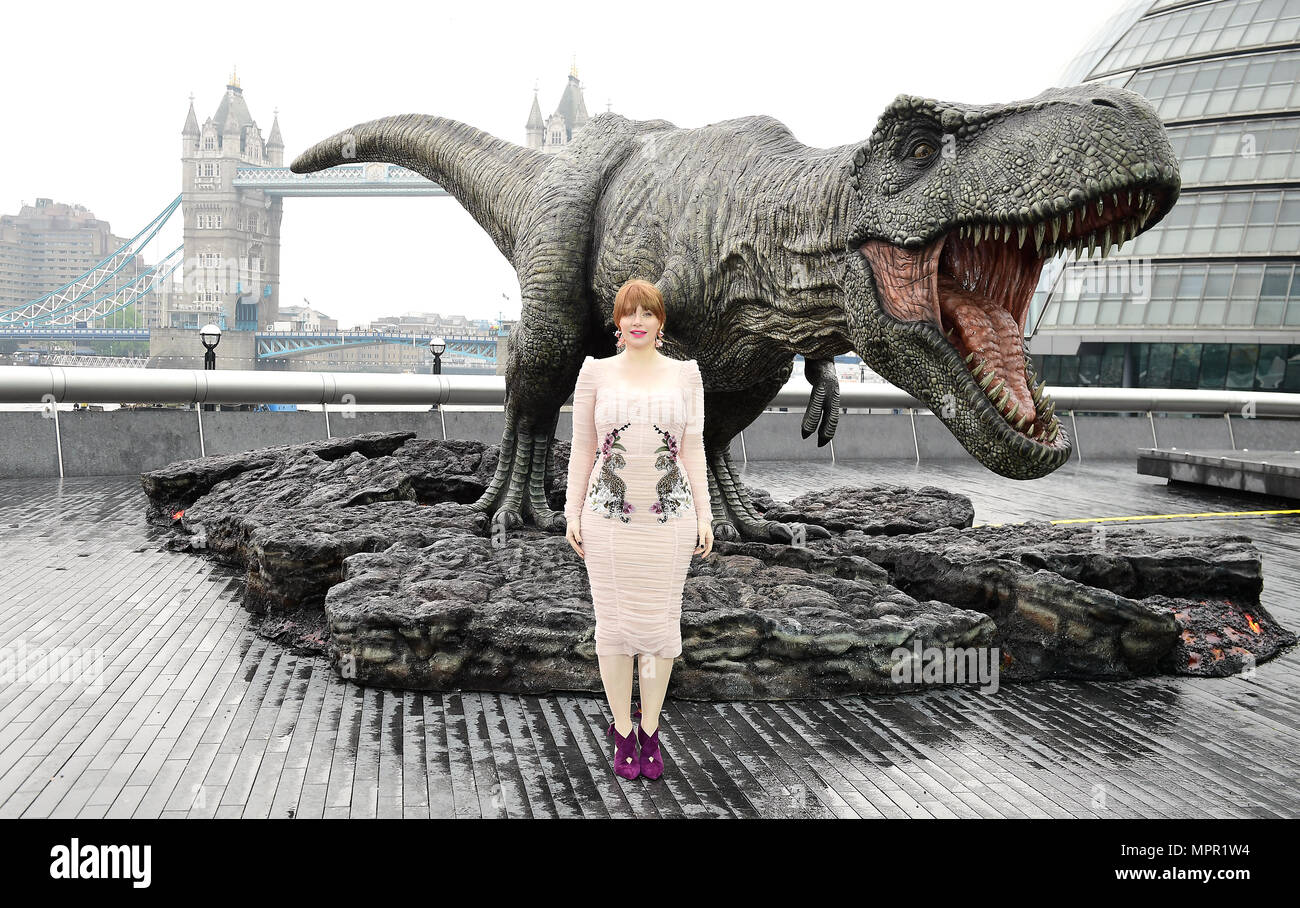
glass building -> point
(1210, 296)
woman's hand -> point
(574, 535)
(704, 531)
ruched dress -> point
(636, 476)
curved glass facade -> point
(1213, 154)
(1210, 297)
(1242, 86)
(1200, 30)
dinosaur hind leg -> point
(542, 364)
(517, 490)
(734, 515)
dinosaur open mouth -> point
(975, 283)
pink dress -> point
(636, 473)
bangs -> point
(638, 293)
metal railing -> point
(57, 384)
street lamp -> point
(436, 346)
(210, 334)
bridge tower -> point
(232, 234)
(557, 130)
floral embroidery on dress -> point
(674, 493)
(608, 495)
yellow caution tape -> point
(1158, 517)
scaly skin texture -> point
(918, 248)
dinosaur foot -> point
(516, 496)
(743, 522)
(744, 528)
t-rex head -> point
(955, 210)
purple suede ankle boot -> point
(652, 761)
(625, 762)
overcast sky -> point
(95, 95)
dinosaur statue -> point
(919, 248)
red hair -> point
(638, 293)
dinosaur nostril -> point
(1102, 102)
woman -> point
(638, 502)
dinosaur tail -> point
(490, 177)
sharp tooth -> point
(1069, 220)
(1038, 393)
(1115, 199)
(979, 367)
(1006, 392)
(1099, 206)
(976, 233)
(984, 384)
(1056, 229)
(1039, 229)
(1020, 426)
(1048, 411)
(1011, 414)
(970, 356)
(1105, 243)
(1022, 230)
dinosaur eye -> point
(922, 150)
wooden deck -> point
(196, 716)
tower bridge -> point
(233, 184)
(230, 208)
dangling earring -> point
(619, 335)
(659, 341)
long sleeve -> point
(583, 452)
(692, 451)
